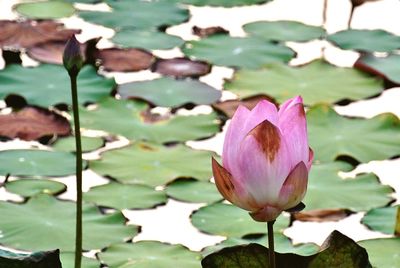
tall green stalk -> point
(271, 246)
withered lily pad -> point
(332, 135)
(31, 187)
(168, 92)
(152, 164)
(284, 31)
(41, 259)
(125, 196)
(123, 117)
(383, 252)
(45, 9)
(44, 222)
(147, 39)
(36, 163)
(25, 34)
(49, 84)
(386, 67)
(366, 40)
(148, 254)
(124, 60)
(382, 219)
(33, 123)
(224, 3)
(249, 52)
(181, 67)
(204, 32)
(315, 82)
(194, 191)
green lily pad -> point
(49, 84)
(31, 187)
(123, 117)
(169, 92)
(326, 190)
(194, 191)
(386, 67)
(68, 261)
(149, 254)
(224, 3)
(316, 82)
(42, 259)
(44, 222)
(125, 196)
(284, 31)
(45, 9)
(366, 40)
(332, 135)
(148, 39)
(382, 219)
(383, 252)
(249, 52)
(138, 14)
(88, 144)
(152, 164)
(37, 163)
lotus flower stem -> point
(351, 16)
(271, 247)
(325, 14)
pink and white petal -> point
(264, 110)
(293, 126)
(310, 159)
(263, 163)
(268, 213)
(294, 187)
(289, 103)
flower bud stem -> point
(78, 143)
(271, 247)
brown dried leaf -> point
(204, 32)
(321, 215)
(124, 60)
(33, 123)
(360, 2)
(181, 67)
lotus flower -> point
(266, 159)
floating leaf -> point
(153, 165)
(315, 82)
(327, 190)
(181, 67)
(44, 222)
(168, 92)
(382, 219)
(28, 33)
(125, 196)
(31, 187)
(45, 9)
(123, 118)
(68, 261)
(49, 84)
(377, 138)
(149, 254)
(386, 67)
(383, 252)
(138, 14)
(193, 191)
(204, 32)
(366, 40)
(42, 259)
(284, 31)
(33, 123)
(88, 144)
(224, 3)
(148, 39)
(124, 60)
(36, 163)
(242, 52)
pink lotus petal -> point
(289, 103)
(294, 187)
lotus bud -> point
(72, 57)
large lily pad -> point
(88, 144)
(315, 82)
(169, 92)
(224, 3)
(123, 117)
(326, 190)
(44, 222)
(68, 261)
(332, 135)
(194, 191)
(386, 67)
(49, 84)
(284, 30)
(31, 187)
(138, 14)
(153, 164)
(45, 9)
(230, 51)
(149, 254)
(382, 219)
(148, 39)
(366, 40)
(41, 259)
(36, 163)
(383, 252)
(125, 196)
